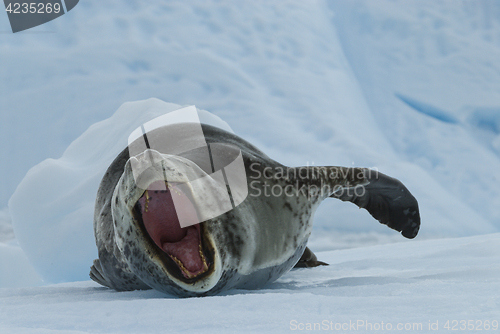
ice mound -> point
(52, 208)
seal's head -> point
(156, 206)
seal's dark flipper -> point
(387, 200)
(96, 274)
(309, 260)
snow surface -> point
(412, 284)
(409, 87)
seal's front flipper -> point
(387, 200)
(309, 260)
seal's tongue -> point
(162, 223)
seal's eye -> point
(160, 217)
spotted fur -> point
(254, 243)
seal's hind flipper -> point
(96, 274)
(309, 260)
(387, 200)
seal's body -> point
(142, 246)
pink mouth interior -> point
(161, 220)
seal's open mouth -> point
(161, 220)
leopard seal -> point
(141, 244)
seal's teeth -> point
(205, 265)
(185, 271)
(169, 186)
